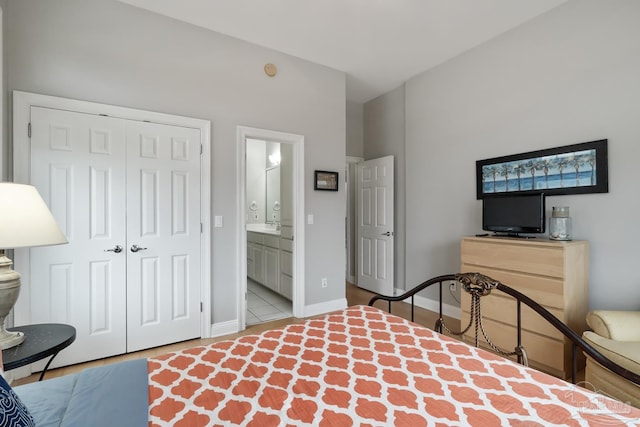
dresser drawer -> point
(544, 260)
(544, 352)
(502, 308)
(546, 291)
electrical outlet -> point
(324, 282)
(452, 287)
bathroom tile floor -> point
(264, 305)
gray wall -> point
(108, 52)
(568, 76)
(384, 135)
(355, 138)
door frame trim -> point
(22, 103)
(352, 193)
(244, 133)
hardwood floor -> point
(355, 296)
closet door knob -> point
(117, 249)
(136, 248)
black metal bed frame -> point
(480, 285)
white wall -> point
(384, 135)
(106, 51)
(568, 76)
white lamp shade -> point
(25, 219)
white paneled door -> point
(126, 194)
(375, 225)
(163, 234)
(76, 165)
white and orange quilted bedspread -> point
(363, 367)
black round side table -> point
(41, 340)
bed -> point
(358, 366)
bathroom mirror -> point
(273, 194)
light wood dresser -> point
(554, 274)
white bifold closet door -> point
(127, 196)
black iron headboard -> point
(479, 285)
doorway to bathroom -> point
(271, 235)
(269, 247)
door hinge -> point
(201, 228)
(29, 129)
(201, 307)
(201, 149)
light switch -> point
(310, 219)
(218, 221)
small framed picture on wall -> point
(326, 181)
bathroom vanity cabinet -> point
(265, 256)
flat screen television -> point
(514, 214)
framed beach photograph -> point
(325, 180)
(571, 169)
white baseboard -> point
(325, 307)
(224, 328)
(433, 305)
(16, 374)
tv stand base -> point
(514, 235)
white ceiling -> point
(379, 44)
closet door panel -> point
(163, 169)
(77, 165)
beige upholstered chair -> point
(615, 334)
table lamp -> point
(25, 221)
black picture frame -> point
(325, 181)
(570, 169)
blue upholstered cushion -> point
(104, 396)
(13, 413)
(47, 400)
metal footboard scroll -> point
(479, 285)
